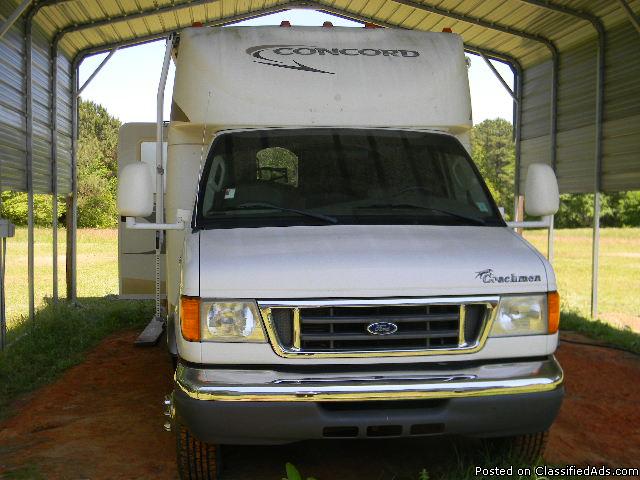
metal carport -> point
(576, 66)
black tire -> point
(524, 449)
(196, 460)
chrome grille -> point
(345, 329)
(333, 328)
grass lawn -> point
(97, 267)
(619, 273)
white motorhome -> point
(335, 265)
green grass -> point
(28, 472)
(97, 267)
(624, 338)
(58, 339)
(619, 272)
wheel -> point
(196, 460)
(526, 449)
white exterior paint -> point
(218, 83)
(219, 86)
(353, 261)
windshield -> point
(340, 176)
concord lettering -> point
(367, 52)
(283, 55)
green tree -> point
(493, 151)
(14, 207)
(97, 166)
(630, 209)
(617, 209)
(97, 176)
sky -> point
(127, 85)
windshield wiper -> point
(392, 206)
(272, 206)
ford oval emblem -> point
(382, 328)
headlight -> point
(521, 315)
(234, 321)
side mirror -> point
(135, 191)
(541, 194)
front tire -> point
(526, 449)
(197, 460)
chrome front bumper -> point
(415, 382)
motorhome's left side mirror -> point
(541, 197)
(135, 191)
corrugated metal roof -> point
(520, 15)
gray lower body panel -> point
(278, 422)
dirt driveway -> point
(103, 420)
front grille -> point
(376, 328)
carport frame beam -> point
(96, 71)
(597, 24)
(633, 17)
(496, 73)
(13, 18)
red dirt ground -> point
(103, 420)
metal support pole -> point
(3, 260)
(633, 18)
(3, 312)
(499, 77)
(54, 169)
(15, 15)
(595, 255)
(97, 70)
(72, 200)
(160, 166)
(517, 198)
(553, 140)
(550, 239)
(28, 27)
(553, 133)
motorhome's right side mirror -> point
(135, 191)
(542, 197)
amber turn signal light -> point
(553, 304)
(190, 318)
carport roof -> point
(520, 29)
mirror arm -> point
(183, 217)
(544, 223)
(132, 224)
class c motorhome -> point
(328, 241)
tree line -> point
(493, 151)
(492, 146)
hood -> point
(368, 261)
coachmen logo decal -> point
(283, 55)
(487, 276)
